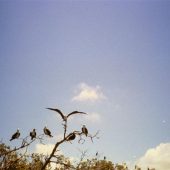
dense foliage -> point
(10, 159)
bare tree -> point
(53, 157)
(66, 137)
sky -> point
(107, 58)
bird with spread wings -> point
(64, 117)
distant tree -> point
(96, 165)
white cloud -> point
(158, 158)
(93, 117)
(88, 93)
(44, 149)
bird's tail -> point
(11, 139)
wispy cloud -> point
(44, 149)
(158, 157)
(85, 92)
(164, 121)
(93, 117)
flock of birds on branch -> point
(47, 132)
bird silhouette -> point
(71, 136)
(64, 117)
(84, 130)
(33, 134)
(15, 135)
(47, 132)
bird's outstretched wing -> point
(75, 112)
(58, 111)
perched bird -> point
(84, 130)
(71, 136)
(97, 153)
(104, 158)
(64, 117)
(33, 134)
(15, 135)
(47, 132)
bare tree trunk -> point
(52, 154)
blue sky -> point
(107, 58)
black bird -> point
(15, 135)
(47, 132)
(33, 134)
(84, 130)
(104, 158)
(71, 136)
(64, 117)
(97, 153)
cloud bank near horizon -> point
(158, 157)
